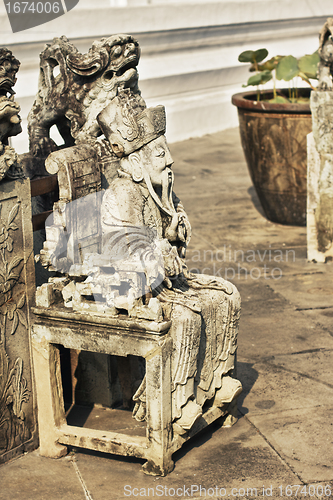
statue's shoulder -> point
(125, 189)
(124, 184)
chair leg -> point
(159, 419)
(152, 468)
(50, 401)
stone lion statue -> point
(84, 85)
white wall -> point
(189, 50)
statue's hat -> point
(128, 125)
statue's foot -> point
(231, 388)
(191, 412)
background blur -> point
(189, 50)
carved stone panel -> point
(18, 428)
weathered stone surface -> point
(129, 257)
(18, 430)
(44, 295)
(10, 121)
(322, 120)
(313, 169)
(36, 477)
(325, 52)
(87, 82)
(320, 155)
(320, 178)
(294, 431)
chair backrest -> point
(84, 172)
(80, 194)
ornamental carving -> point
(14, 390)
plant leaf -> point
(287, 68)
(260, 55)
(247, 56)
(259, 78)
(251, 56)
(308, 65)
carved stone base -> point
(56, 326)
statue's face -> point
(156, 159)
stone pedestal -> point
(18, 428)
(57, 326)
(320, 179)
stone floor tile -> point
(238, 457)
(303, 438)
(307, 291)
(321, 317)
(32, 477)
(283, 384)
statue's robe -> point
(204, 310)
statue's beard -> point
(163, 194)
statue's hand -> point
(171, 232)
(172, 263)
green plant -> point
(280, 68)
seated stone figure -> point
(204, 311)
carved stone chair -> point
(80, 171)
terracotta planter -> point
(274, 142)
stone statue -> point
(325, 66)
(203, 310)
(86, 83)
(10, 121)
(142, 269)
